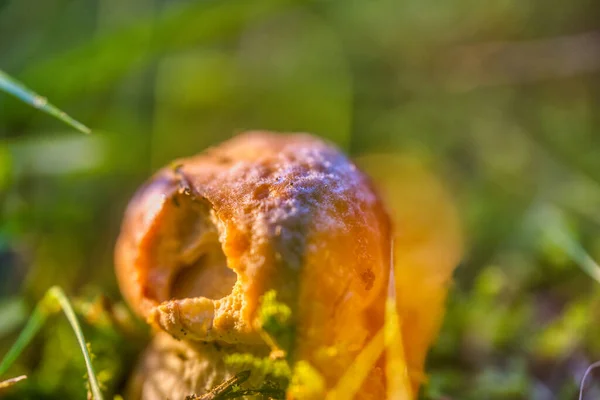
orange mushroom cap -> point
(205, 238)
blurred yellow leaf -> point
(427, 247)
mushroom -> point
(206, 237)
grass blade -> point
(17, 89)
(34, 324)
(57, 293)
(48, 305)
(556, 229)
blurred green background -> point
(499, 98)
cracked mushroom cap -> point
(206, 237)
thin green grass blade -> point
(17, 89)
(34, 324)
(556, 229)
(67, 308)
(47, 306)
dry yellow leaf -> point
(428, 245)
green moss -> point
(275, 319)
(263, 366)
(307, 382)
